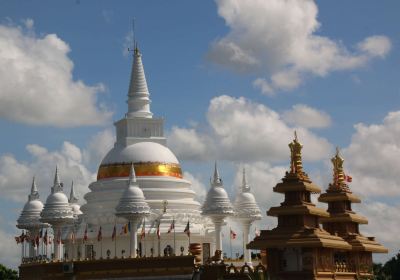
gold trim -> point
(141, 169)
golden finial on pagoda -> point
(296, 165)
(338, 173)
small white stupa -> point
(77, 214)
(30, 216)
(247, 211)
(73, 201)
(217, 206)
(57, 212)
(133, 207)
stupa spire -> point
(34, 191)
(72, 195)
(217, 181)
(57, 185)
(138, 94)
(245, 185)
(132, 176)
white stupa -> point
(30, 217)
(217, 206)
(133, 207)
(247, 211)
(73, 201)
(57, 212)
(140, 140)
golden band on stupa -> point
(141, 169)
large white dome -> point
(149, 159)
(140, 152)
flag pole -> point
(230, 241)
(174, 237)
(115, 237)
(144, 237)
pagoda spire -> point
(72, 195)
(217, 181)
(296, 162)
(138, 94)
(34, 191)
(245, 185)
(132, 176)
(57, 186)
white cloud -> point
(97, 147)
(306, 116)
(240, 130)
(197, 186)
(16, 176)
(373, 157)
(37, 84)
(277, 39)
(11, 252)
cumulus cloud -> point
(37, 84)
(306, 116)
(374, 157)
(197, 186)
(241, 130)
(74, 163)
(278, 40)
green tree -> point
(7, 273)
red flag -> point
(172, 226)
(233, 234)
(37, 240)
(187, 229)
(158, 230)
(85, 237)
(114, 233)
(99, 236)
(18, 239)
(45, 238)
(349, 179)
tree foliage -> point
(389, 271)
(7, 273)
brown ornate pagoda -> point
(343, 221)
(298, 248)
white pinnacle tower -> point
(133, 207)
(57, 212)
(247, 211)
(138, 95)
(217, 206)
(30, 216)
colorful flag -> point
(114, 233)
(18, 239)
(187, 229)
(37, 239)
(158, 230)
(45, 239)
(348, 178)
(143, 233)
(172, 226)
(85, 236)
(99, 236)
(233, 234)
(124, 229)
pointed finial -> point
(296, 162)
(217, 181)
(57, 186)
(72, 196)
(56, 177)
(339, 179)
(132, 175)
(34, 191)
(245, 185)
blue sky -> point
(185, 46)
